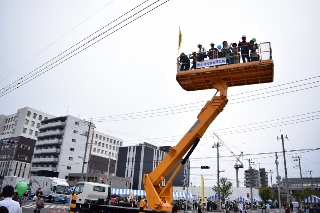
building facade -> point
(15, 159)
(25, 123)
(134, 161)
(23, 127)
(60, 148)
(256, 178)
(105, 146)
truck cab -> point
(91, 193)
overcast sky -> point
(126, 81)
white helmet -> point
(211, 43)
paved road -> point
(249, 211)
(57, 207)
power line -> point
(66, 57)
(56, 41)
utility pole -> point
(278, 182)
(310, 178)
(285, 166)
(187, 185)
(271, 176)
(217, 145)
(85, 151)
(297, 158)
(89, 160)
(250, 173)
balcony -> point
(55, 124)
(46, 151)
(45, 160)
(49, 142)
(48, 168)
(52, 132)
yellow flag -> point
(180, 39)
(202, 189)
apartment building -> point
(134, 161)
(15, 159)
(60, 147)
(25, 123)
(105, 145)
(23, 127)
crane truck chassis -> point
(159, 197)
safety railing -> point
(219, 57)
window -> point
(104, 138)
(26, 122)
(117, 142)
(32, 123)
(76, 123)
(13, 131)
(99, 188)
(23, 146)
(102, 144)
(40, 117)
(45, 118)
(99, 144)
(95, 143)
(28, 113)
(113, 147)
(34, 115)
(96, 135)
(107, 139)
(69, 167)
(114, 142)
(106, 152)
(38, 125)
(22, 157)
(98, 151)
(4, 128)
(94, 149)
(24, 130)
(75, 131)
(100, 137)
(110, 140)
(112, 154)
(109, 146)
(30, 131)
(109, 153)
(36, 133)
(120, 143)
(72, 149)
(71, 158)
(73, 140)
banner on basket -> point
(213, 62)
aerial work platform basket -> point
(255, 72)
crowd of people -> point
(11, 202)
(248, 51)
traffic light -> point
(205, 167)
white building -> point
(60, 147)
(105, 145)
(25, 122)
(23, 127)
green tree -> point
(225, 188)
(266, 194)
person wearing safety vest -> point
(143, 205)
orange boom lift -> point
(159, 197)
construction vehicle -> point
(53, 189)
(160, 198)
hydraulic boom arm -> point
(160, 197)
